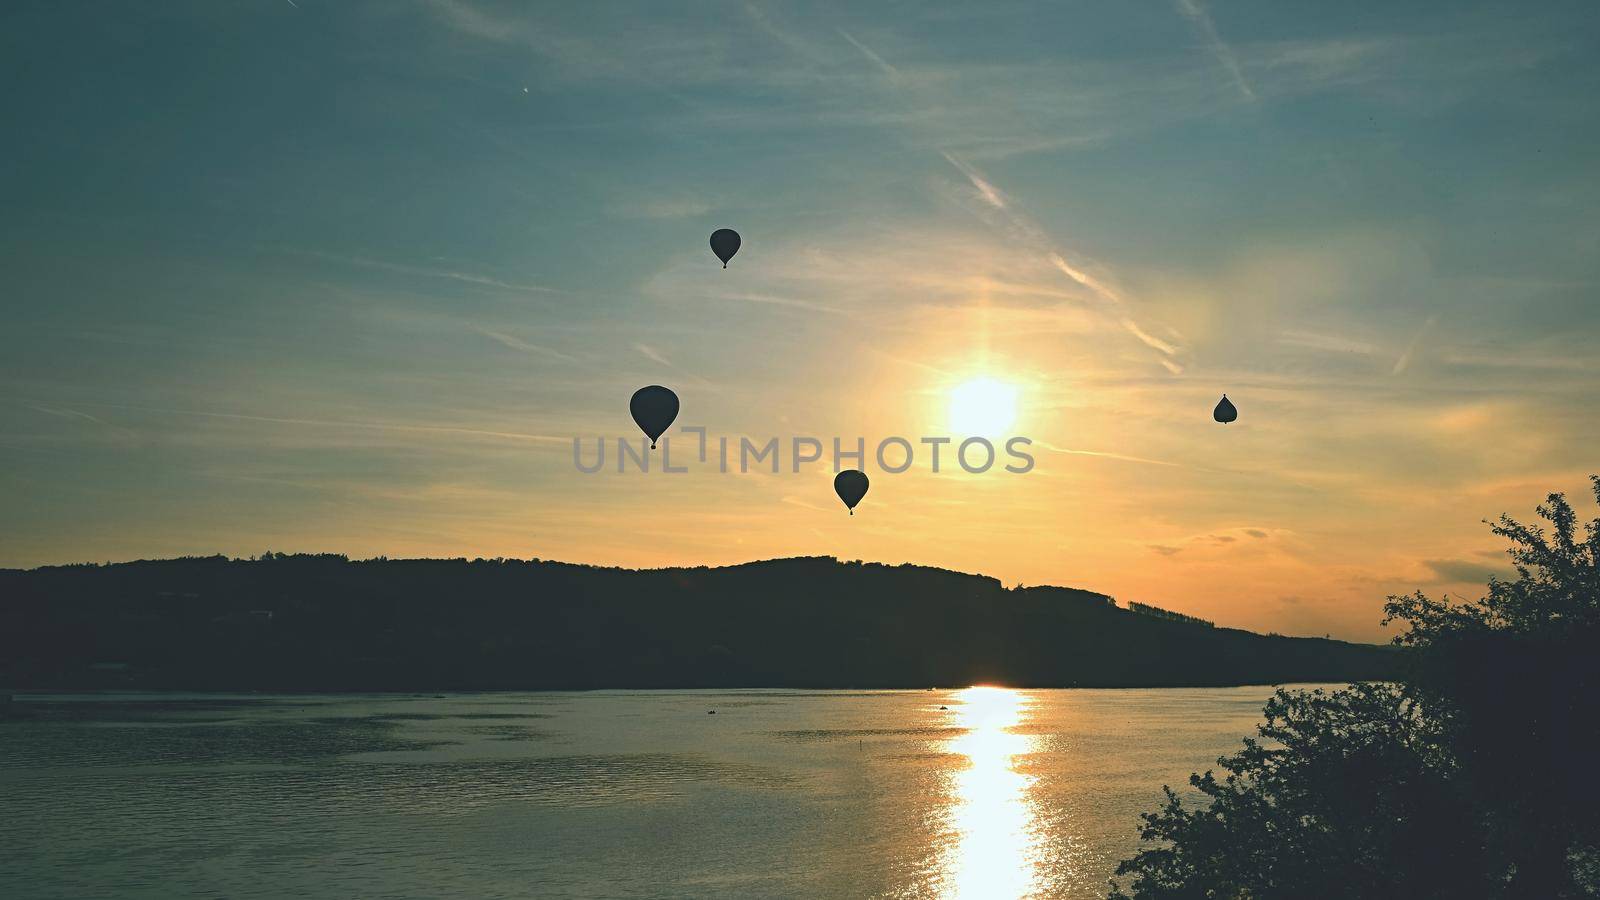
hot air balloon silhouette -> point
(1225, 411)
(653, 407)
(851, 486)
(725, 243)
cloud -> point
(519, 344)
(795, 45)
(770, 300)
(1224, 54)
(652, 354)
(453, 275)
(891, 71)
(659, 208)
(1214, 541)
(335, 423)
(1104, 455)
(990, 194)
(1496, 358)
(123, 435)
(1327, 342)
(1148, 339)
(471, 21)
(1099, 288)
(803, 504)
(1404, 362)
(1032, 233)
(1462, 571)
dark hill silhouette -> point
(322, 622)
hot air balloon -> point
(851, 486)
(725, 243)
(1225, 411)
(653, 407)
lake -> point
(979, 792)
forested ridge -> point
(322, 622)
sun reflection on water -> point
(993, 852)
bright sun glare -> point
(983, 407)
(995, 851)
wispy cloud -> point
(1032, 233)
(338, 423)
(765, 23)
(1215, 541)
(652, 354)
(1219, 48)
(1406, 356)
(1496, 358)
(914, 363)
(659, 207)
(1105, 455)
(803, 504)
(1462, 571)
(869, 53)
(1099, 288)
(421, 271)
(470, 20)
(122, 434)
(518, 344)
(990, 194)
(1149, 339)
(770, 300)
(1331, 343)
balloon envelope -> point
(851, 486)
(653, 407)
(1225, 411)
(725, 243)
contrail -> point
(519, 344)
(1224, 54)
(891, 71)
(1404, 362)
(991, 194)
(1148, 339)
(1085, 279)
(1034, 234)
(118, 430)
(652, 353)
(468, 277)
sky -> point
(351, 277)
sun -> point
(983, 407)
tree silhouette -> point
(1469, 779)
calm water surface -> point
(607, 794)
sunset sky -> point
(350, 277)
